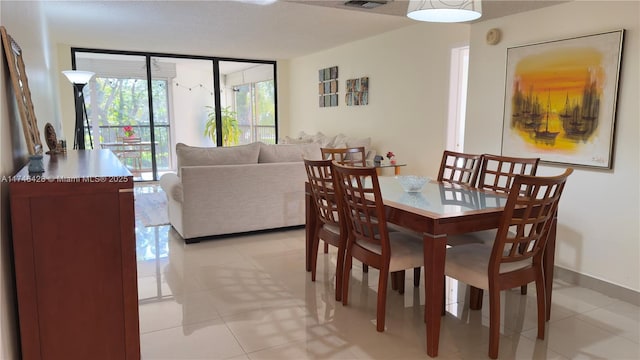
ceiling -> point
(234, 28)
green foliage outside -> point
(124, 102)
(230, 129)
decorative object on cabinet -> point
(50, 138)
(357, 92)
(13, 54)
(328, 87)
(560, 100)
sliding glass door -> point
(249, 100)
(117, 100)
(141, 105)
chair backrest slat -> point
(497, 172)
(363, 206)
(459, 168)
(347, 156)
(321, 182)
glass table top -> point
(439, 198)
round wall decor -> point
(493, 36)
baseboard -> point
(609, 289)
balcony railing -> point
(264, 133)
(115, 133)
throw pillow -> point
(340, 141)
(353, 142)
(290, 140)
(288, 152)
(231, 155)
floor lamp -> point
(79, 79)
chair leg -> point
(475, 298)
(394, 280)
(326, 248)
(523, 288)
(382, 299)
(416, 276)
(346, 274)
(542, 306)
(314, 252)
(494, 322)
(339, 271)
(365, 268)
(444, 297)
(400, 280)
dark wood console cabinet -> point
(75, 262)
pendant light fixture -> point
(447, 11)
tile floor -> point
(248, 297)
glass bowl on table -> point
(412, 183)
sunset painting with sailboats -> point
(556, 97)
(560, 99)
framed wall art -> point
(357, 92)
(560, 100)
(328, 87)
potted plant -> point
(230, 129)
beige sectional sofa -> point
(237, 189)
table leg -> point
(396, 169)
(434, 257)
(309, 226)
(548, 262)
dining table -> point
(439, 210)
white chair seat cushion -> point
(331, 228)
(406, 251)
(470, 264)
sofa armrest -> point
(172, 186)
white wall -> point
(189, 112)
(598, 232)
(408, 92)
(24, 23)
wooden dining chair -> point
(369, 240)
(515, 258)
(459, 168)
(497, 172)
(330, 228)
(347, 156)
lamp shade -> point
(444, 10)
(78, 76)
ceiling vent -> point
(365, 4)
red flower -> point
(128, 131)
(390, 154)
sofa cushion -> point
(288, 152)
(290, 140)
(231, 155)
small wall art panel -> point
(328, 87)
(357, 92)
(560, 100)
